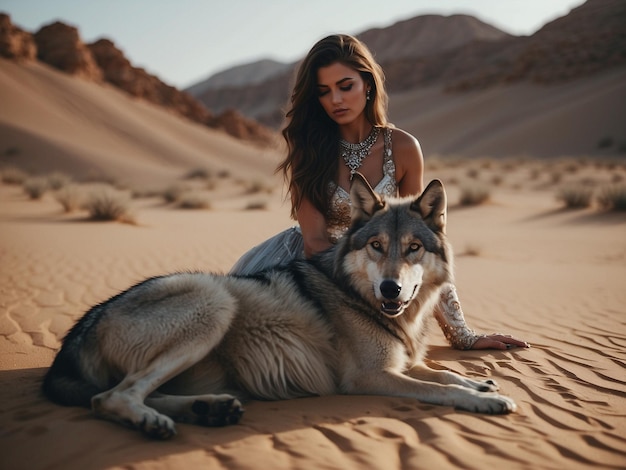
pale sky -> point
(185, 41)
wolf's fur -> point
(352, 320)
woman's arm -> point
(409, 162)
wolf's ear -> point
(365, 202)
(432, 204)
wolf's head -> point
(396, 251)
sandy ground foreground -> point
(554, 278)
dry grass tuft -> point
(472, 249)
(36, 186)
(57, 180)
(256, 205)
(105, 203)
(199, 173)
(612, 197)
(258, 186)
(13, 175)
(193, 200)
(474, 194)
(174, 192)
(70, 197)
(575, 196)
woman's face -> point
(342, 92)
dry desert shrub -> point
(70, 197)
(223, 174)
(146, 192)
(617, 178)
(174, 192)
(36, 186)
(497, 180)
(575, 196)
(106, 203)
(211, 184)
(534, 174)
(13, 175)
(474, 194)
(612, 197)
(473, 173)
(193, 200)
(472, 249)
(198, 173)
(556, 177)
(486, 164)
(256, 205)
(57, 180)
(258, 186)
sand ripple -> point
(570, 386)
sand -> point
(525, 267)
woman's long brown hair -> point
(312, 136)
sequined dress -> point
(287, 245)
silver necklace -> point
(354, 154)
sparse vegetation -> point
(534, 174)
(472, 249)
(193, 200)
(70, 197)
(106, 203)
(57, 180)
(575, 196)
(258, 186)
(556, 177)
(143, 193)
(198, 173)
(497, 180)
(256, 205)
(473, 173)
(474, 194)
(174, 192)
(36, 186)
(13, 175)
(612, 197)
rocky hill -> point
(460, 53)
(428, 35)
(242, 75)
(590, 39)
(59, 45)
(405, 40)
(15, 44)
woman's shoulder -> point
(402, 138)
(404, 145)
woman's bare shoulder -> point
(406, 148)
(403, 140)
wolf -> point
(191, 347)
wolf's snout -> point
(390, 289)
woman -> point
(337, 125)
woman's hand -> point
(498, 341)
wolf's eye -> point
(376, 245)
(414, 246)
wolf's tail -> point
(64, 383)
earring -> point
(367, 95)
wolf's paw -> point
(157, 426)
(218, 412)
(492, 404)
(488, 386)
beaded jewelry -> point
(354, 154)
